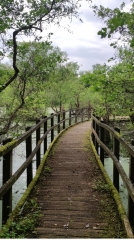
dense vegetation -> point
(40, 75)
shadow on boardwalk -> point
(74, 199)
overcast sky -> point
(84, 45)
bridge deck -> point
(73, 196)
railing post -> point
(7, 173)
(88, 114)
(75, 116)
(52, 124)
(28, 152)
(130, 202)
(45, 140)
(37, 139)
(93, 126)
(116, 149)
(102, 139)
(69, 117)
(59, 122)
(63, 120)
(97, 131)
(82, 115)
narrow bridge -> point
(75, 196)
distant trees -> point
(22, 86)
(118, 81)
(46, 79)
(24, 97)
(111, 89)
(40, 76)
(28, 18)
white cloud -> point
(84, 45)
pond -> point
(108, 163)
(127, 133)
(19, 156)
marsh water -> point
(108, 163)
(19, 157)
(127, 133)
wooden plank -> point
(70, 205)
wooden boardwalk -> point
(75, 200)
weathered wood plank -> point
(70, 202)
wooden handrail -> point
(11, 145)
(124, 176)
(128, 147)
(7, 149)
(98, 136)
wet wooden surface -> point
(75, 200)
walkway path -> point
(73, 196)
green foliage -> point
(47, 169)
(38, 59)
(17, 14)
(117, 21)
(60, 88)
(87, 78)
(30, 18)
(117, 83)
(101, 186)
(46, 79)
(25, 98)
(111, 88)
(23, 224)
(6, 72)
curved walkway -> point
(75, 200)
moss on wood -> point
(115, 193)
(23, 199)
(8, 145)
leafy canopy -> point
(28, 18)
(119, 23)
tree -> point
(58, 89)
(36, 62)
(79, 94)
(124, 74)
(117, 21)
(119, 24)
(98, 90)
(108, 89)
(27, 17)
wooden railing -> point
(99, 130)
(63, 119)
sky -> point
(83, 45)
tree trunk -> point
(132, 116)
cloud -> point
(84, 45)
(87, 57)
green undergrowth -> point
(102, 187)
(25, 222)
